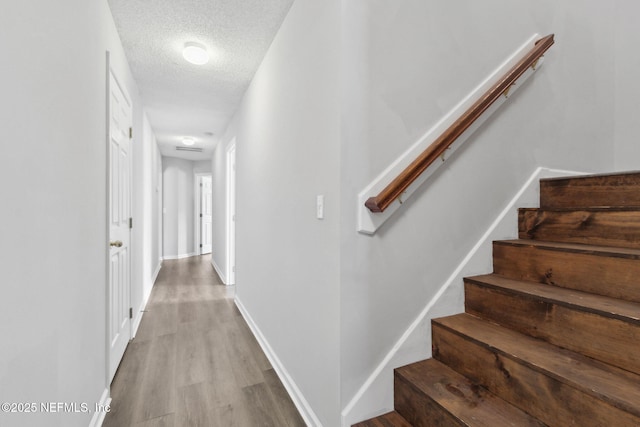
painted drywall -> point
(627, 85)
(219, 209)
(287, 148)
(178, 182)
(404, 65)
(202, 166)
(53, 219)
(146, 210)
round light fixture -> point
(188, 141)
(195, 53)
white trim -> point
(527, 195)
(181, 256)
(98, 416)
(219, 271)
(309, 417)
(107, 260)
(368, 222)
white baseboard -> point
(181, 256)
(307, 413)
(219, 271)
(155, 273)
(98, 416)
(375, 396)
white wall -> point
(400, 68)
(405, 64)
(287, 142)
(53, 219)
(219, 208)
(202, 166)
(147, 196)
(178, 205)
(627, 85)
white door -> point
(231, 215)
(119, 322)
(205, 214)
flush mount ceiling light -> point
(188, 141)
(195, 53)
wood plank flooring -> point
(195, 362)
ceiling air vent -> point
(192, 149)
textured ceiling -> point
(182, 99)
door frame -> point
(231, 211)
(111, 72)
(197, 208)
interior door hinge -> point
(200, 244)
(130, 133)
(130, 312)
(130, 222)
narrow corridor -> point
(194, 360)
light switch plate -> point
(320, 206)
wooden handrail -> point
(392, 191)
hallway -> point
(194, 360)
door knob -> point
(117, 244)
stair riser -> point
(420, 410)
(618, 228)
(602, 275)
(542, 396)
(607, 339)
(617, 190)
(431, 391)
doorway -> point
(204, 214)
(119, 130)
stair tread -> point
(575, 178)
(609, 251)
(472, 404)
(627, 311)
(390, 419)
(619, 387)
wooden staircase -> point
(552, 337)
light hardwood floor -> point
(195, 362)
